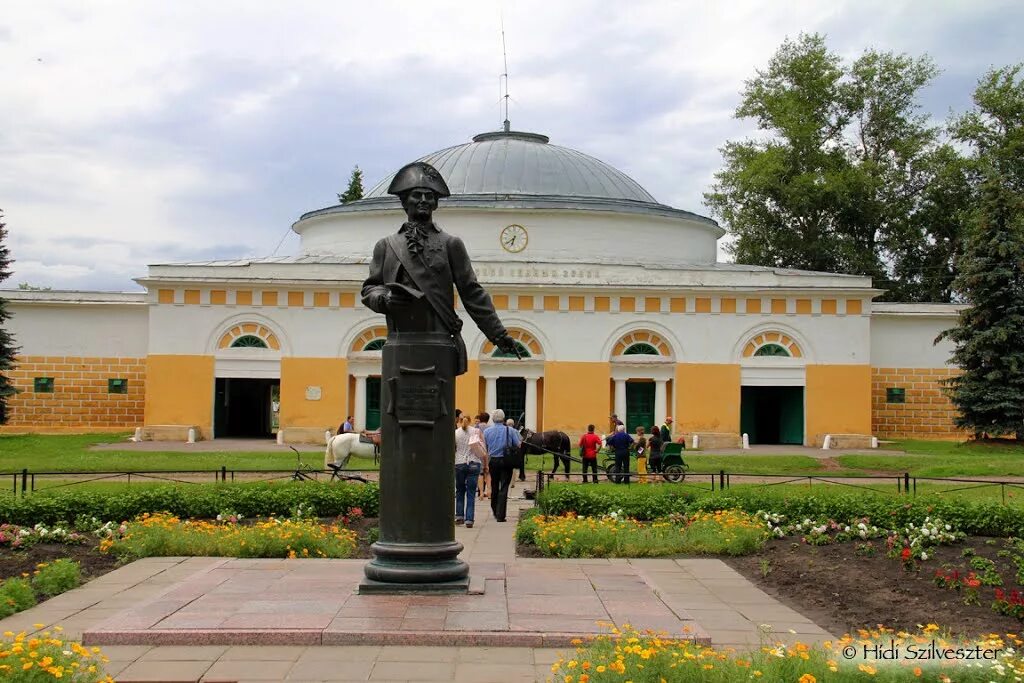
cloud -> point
(140, 133)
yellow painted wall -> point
(467, 389)
(838, 400)
(179, 391)
(707, 398)
(575, 395)
(330, 374)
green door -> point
(791, 417)
(511, 397)
(639, 405)
(372, 420)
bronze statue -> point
(413, 271)
(413, 278)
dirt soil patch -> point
(14, 563)
(842, 588)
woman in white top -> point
(470, 462)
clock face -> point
(514, 238)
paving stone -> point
(332, 670)
(167, 672)
(234, 670)
(181, 653)
(494, 673)
(329, 653)
(495, 655)
(254, 653)
(413, 671)
(417, 654)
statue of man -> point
(413, 271)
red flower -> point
(905, 555)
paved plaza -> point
(212, 619)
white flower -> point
(924, 556)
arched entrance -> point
(247, 384)
(643, 366)
(514, 384)
(772, 392)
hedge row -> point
(651, 502)
(190, 500)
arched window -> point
(772, 350)
(523, 352)
(640, 349)
(375, 345)
(248, 341)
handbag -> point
(513, 456)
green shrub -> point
(527, 527)
(978, 518)
(15, 595)
(56, 577)
(201, 501)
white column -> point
(620, 399)
(360, 412)
(531, 403)
(490, 393)
(660, 400)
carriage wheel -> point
(674, 473)
(612, 472)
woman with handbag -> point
(470, 462)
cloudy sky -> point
(154, 132)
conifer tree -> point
(355, 187)
(7, 347)
(989, 394)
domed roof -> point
(517, 163)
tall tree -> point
(355, 187)
(989, 394)
(7, 347)
(841, 180)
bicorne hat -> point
(418, 174)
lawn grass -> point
(939, 465)
(751, 464)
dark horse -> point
(553, 442)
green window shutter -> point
(249, 341)
(773, 350)
(641, 349)
(117, 386)
(42, 385)
(895, 395)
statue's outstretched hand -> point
(508, 345)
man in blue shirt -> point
(620, 442)
(496, 438)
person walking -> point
(590, 444)
(666, 431)
(470, 462)
(620, 442)
(481, 422)
(501, 441)
(654, 450)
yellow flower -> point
(868, 669)
(917, 671)
(807, 678)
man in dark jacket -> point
(420, 265)
(620, 442)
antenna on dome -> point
(506, 126)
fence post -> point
(540, 484)
(712, 482)
(906, 481)
(721, 480)
(1002, 491)
(24, 481)
(14, 478)
(223, 474)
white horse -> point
(341, 447)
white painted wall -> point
(565, 236)
(906, 341)
(80, 329)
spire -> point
(506, 126)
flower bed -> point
(163, 534)
(656, 502)
(48, 657)
(47, 580)
(614, 535)
(633, 656)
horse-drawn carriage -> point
(673, 467)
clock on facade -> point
(514, 238)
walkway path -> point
(537, 594)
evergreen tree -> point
(7, 347)
(355, 187)
(989, 393)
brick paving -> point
(183, 620)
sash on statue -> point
(442, 307)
